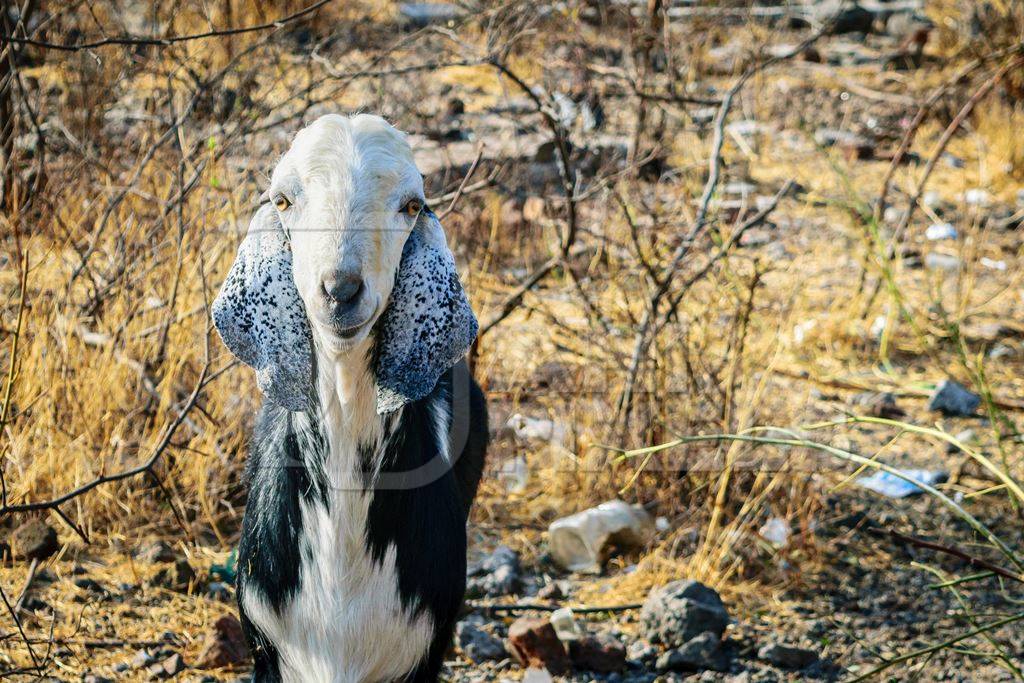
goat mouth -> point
(349, 332)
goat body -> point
(342, 581)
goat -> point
(369, 447)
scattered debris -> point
(565, 625)
(890, 485)
(534, 643)
(953, 399)
(680, 611)
(537, 429)
(582, 542)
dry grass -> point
(109, 351)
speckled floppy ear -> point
(428, 325)
(260, 316)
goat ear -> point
(260, 316)
(428, 325)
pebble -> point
(937, 261)
(141, 658)
(476, 644)
(641, 651)
(977, 197)
(35, 540)
(879, 404)
(776, 531)
(680, 611)
(496, 575)
(535, 644)
(157, 552)
(167, 668)
(537, 676)
(603, 653)
(224, 646)
(967, 437)
(177, 577)
(952, 399)
(700, 653)
(787, 656)
(941, 231)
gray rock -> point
(680, 611)
(477, 644)
(699, 654)
(168, 668)
(787, 656)
(496, 575)
(952, 399)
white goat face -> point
(345, 249)
(348, 194)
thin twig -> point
(107, 478)
(956, 552)
(537, 607)
(169, 40)
(938, 646)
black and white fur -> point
(370, 445)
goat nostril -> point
(342, 288)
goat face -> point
(344, 249)
(348, 194)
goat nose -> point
(342, 287)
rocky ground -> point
(816, 589)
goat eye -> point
(412, 208)
(282, 202)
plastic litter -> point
(582, 542)
(890, 485)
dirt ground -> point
(805, 309)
